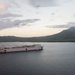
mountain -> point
(64, 36)
(72, 29)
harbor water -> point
(54, 59)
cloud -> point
(66, 1)
(47, 3)
(74, 15)
(12, 5)
(8, 23)
(15, 3)
(3, 7)
(43, 3)
(8, 15)
(52, 14)
(68, 25)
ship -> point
(24, 48)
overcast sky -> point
(29, 18)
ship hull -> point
(22, 49)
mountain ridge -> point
(64, 36)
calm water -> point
(55, 59)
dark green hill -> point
(64, 36)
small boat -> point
(35, 47)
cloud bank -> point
(68, 25)
(7, 23)
(47, 3)
(9, 15)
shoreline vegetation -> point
(64, 36)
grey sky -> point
(36, 14)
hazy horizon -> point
(32, 18)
